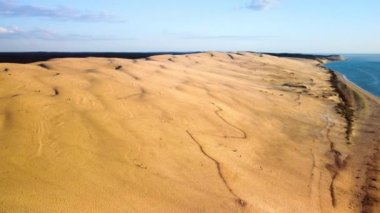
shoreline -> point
(352, 94)
(354, 86)
(350, 81)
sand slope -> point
(209, 132)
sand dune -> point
(208, 132)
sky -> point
(296, 26)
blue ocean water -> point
(363, 70)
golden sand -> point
(208, 132)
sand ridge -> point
(208, 132)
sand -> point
(207, 132)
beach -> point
(202, 132)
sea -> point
(361, 69)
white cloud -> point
(15, 32)
(261, 4)
(9, 30)
(10, 8)
(227, 37)
(43, 34)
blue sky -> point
(307, 26)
